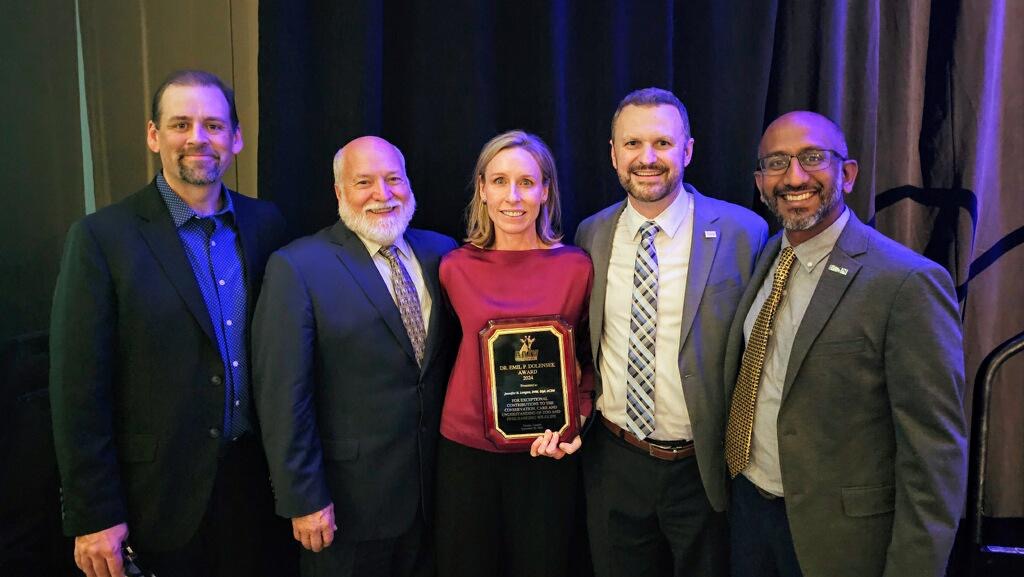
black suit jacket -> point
(348, 417)
(137, 380)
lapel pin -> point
(838, 269)
(710, 234)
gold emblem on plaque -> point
(527, 353)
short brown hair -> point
(653, 97)
(193, 78)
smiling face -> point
(806, 203)
(650, 150)
(514, 190)
(374, 196)
(195, 138)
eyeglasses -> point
(811, 160)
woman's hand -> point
(547, 445)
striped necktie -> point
(744, 397)
(643, 326)
(408, 302)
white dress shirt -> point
(764, 469)
(672, 421)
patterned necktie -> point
(408, 302)
(643, 325)
(744, 397)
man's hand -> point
(99, 554)
(316, 530)
(547, 445)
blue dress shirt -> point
(214, 250)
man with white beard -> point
(351, 346)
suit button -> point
(214, 433)
(216, 380)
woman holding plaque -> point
(521, 297)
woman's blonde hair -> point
(479, 228)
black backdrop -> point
(439, 79)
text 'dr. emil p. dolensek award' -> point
(529, 381)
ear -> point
(544, 196)
(759, 181)
(850, 169)
(687, 152)
(338, 192)
(237, 142)
(152, 137)
(611, 150)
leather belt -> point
(663, 453)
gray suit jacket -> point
(720, 267)
(871, 426)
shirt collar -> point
(374, 247)
(815, 249)
(180, 211)
(670, 221)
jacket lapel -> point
(157, 229)
(852, 242)
(354, 257)
(734, 351)
(600, 254)
(702, 254)
(429, 261)
(249, 236)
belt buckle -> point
(651, 447)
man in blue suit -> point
(353, 349)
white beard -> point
(383, 230)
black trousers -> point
(503, 514)
(239, 534)
(407, 555)
(760, 542)
(646, 516)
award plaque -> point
(529, 381)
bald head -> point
(363, 148)
(809, 172)
(805, 124)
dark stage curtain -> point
(928, 92)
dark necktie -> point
(408, 302)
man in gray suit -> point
(669, 267)
(846, 434)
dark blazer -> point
(872, 434)
(348, 417)
(726, 241)
(137, 380)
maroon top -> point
(484, 285)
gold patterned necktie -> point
(744, 397)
